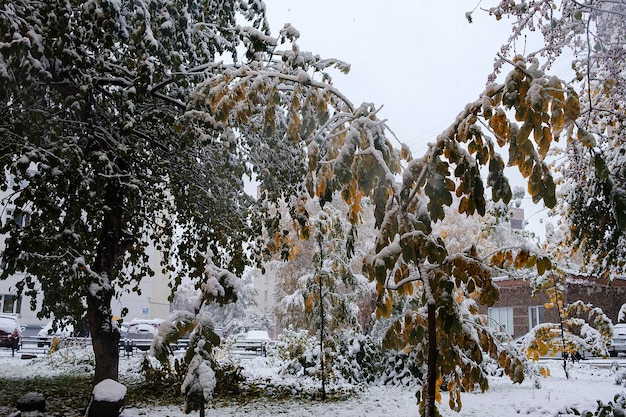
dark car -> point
(10, 332)
(141, 332)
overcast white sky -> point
(421, 60)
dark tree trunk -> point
(105, 341)
(113, 243)
(431, 376)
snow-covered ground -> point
(590, 381)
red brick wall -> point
(517, 294)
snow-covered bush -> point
(292, 344)
(228, 373)
(71, 359)
(400, 369)
(349, 356)
(491, 366)
(615, 408)
(355, 357)
(620, 374)
(162, 377)
(166, 377)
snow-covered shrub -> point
(292, 344)
(400, 369)
(72, 360)
(615, 408)
(228, 374)
(620, 374)
(491, 366)
(349, 356)
(166, 377)
(306, 364)
(355, 357)
(162, 377)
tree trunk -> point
(104, 340)
(431, 376)
(322, 362)
(100, 291)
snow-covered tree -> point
(594, 185)
(241, 316)
(580, 328)
(327, 293)
(347, 293)
(109, 152)
(232, 318)
(184, 298)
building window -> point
(10, 303)
(535, 315)
(501, 319)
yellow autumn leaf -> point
(497, 259)
(572, 107)
(500, 126)
(520, 259)
(438, 390)
(541, 266)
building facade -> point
(517, 311)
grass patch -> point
(69, 395)
(64, 394)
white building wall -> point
(265, 298)
(27, 316)
(153, 301)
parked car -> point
(618, 343)
(141, 332)
(10, 332)
(64, 330)
(256, 340)
(123, 331)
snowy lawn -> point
(590, 381)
